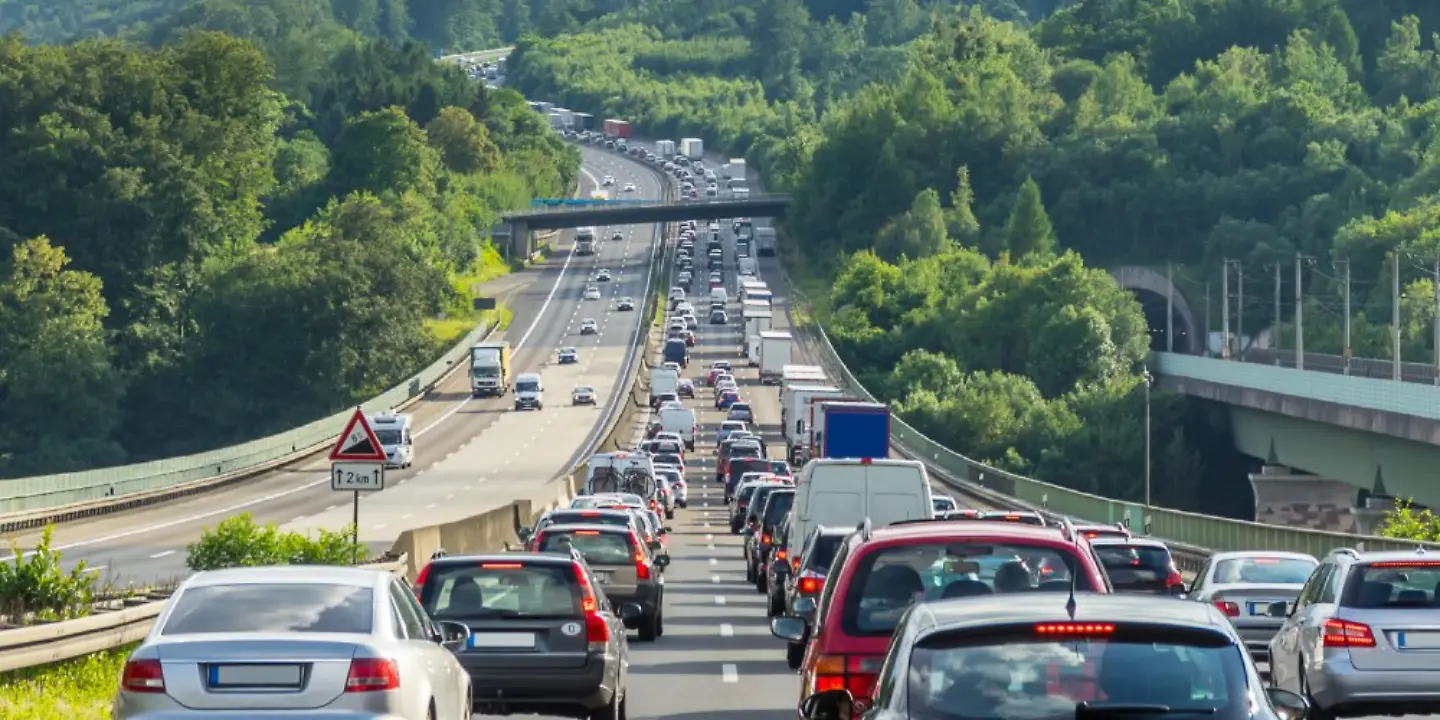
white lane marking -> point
(719, 600)
(96, 569)
(711, 546)
(297, 519)
(332, 507)
(159, 555)
(714, 579)
(381, 526)
(709, 536)
(729, 673)
(727, 630)
(713, 561)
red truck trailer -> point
(617, 129)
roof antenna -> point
(1070, 602)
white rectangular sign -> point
(353, 476)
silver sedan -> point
(346, 643)
(1244, 584)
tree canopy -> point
(194, 258)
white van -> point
(663, 380)
(678, 420)
(844, 493)
(529, 391)
(719, 294)
(393, 430)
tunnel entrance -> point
(1153, 304)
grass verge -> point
(463, 317)
(79, 689)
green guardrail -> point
(1193, 532)
(45, 492)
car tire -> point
(613, 710)
(774, 606)
(669, 514)
(650, 627)
(749, 571)
(794, 655)
(761, 584)
(1316, 712)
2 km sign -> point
(357, 463)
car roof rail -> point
(1352, 552)
(1067, 530)
(866, 529)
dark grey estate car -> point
(625, 568)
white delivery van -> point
(529, 391)
(844, 493)
(774, 355)
(663, 380)
(393, 430)
(681, 421)
(719, 294)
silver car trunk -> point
(1406, 638)
(1254, 602)
(223, 672)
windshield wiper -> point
(1091, 709)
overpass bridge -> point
(516, 226)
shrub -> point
(240, 542)
(37, 587)
(78, 689)
(1404, 523)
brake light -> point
(780, 554)
(1071, 629)
(143, 676)
(597, 631)
(811, 585)
(586, 532)
(425, 573)
(1174, 579)
(589, 513)
(1406, 563)
(1343, 633)
(373, 675)
(1229, 608)
(500, 566)
(765, 539)
(865, 461)
(642, 568)
(795, 564)
(856, 673)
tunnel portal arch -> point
(1151, 288)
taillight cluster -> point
(597, 630)
(810, 583)
(366, 675)
(1229, 608)
(856, 673)
(642, 568)
(1346, 634)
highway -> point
(471, 454)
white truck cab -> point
(529, 392)
(394, 431)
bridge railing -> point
(601, 206)
(1192, 532)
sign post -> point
(357, 464)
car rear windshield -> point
(1016, 674)
(888, 580)
(1135, 568)
(758, 498)
(600, 548)
(500, 589)
(822, 554)
(272, 608)
(588, 517)
(776, 507)
(740, 466)
(667, 458)
(745, 450)
(1392, 584)
(1265, 570)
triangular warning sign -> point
(358, 443)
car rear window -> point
(743, 497)
(758, 498)
(500, 589)
(740, 466)
(1135, 568)
(1018, 673)
(1265, 570)
(1392, 584)
(582, 517)
(887, 580)
(272, 608)
(822, 554)
(601, 548)
(778, 467)
(668, 458)
(776, 506)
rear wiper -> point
(1090, 709)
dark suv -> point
(738, 466)
(623, 566)
(1139, 565)
(543, 639)
(767, 508)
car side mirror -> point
(789, 627)
(805, 605)
(828, 705)
(1278, 609)
(452, 633)
(662, 560)
(666, 530)
(629, 611)
(1288, 705)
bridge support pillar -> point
(1288, 498)
(522, 241)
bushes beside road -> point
(79, 689)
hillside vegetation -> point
(945, 158)
(193, 258)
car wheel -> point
(794, 654)
(670, 514)
(650, 627)
(761, 585)
(1316, 712)
(749, 571)
(613, 710)
(775, 605)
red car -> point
(879, 573)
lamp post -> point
(1148, 380)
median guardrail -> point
(106, 629)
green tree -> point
(464, 144)
(960, 218)
(384, 151)
(1028, 231)
(918, 233)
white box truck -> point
(734, 169)
(693, 148)
(665, 148)
(765, 241)
(757, 320)
(774, 355)
(795, 403)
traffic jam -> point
(890, 599)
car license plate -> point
(1413, 640)
(511, 641)
(255, 675)
(603, 577)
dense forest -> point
(952, 162)
(193, 258)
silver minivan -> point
(529, 392)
